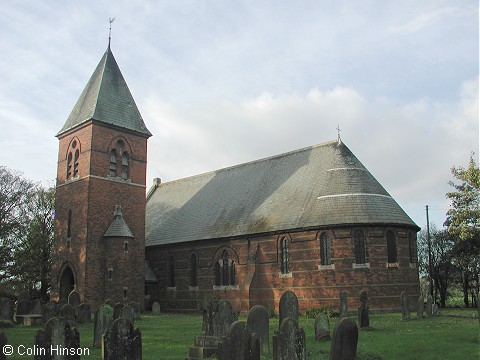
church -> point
(313, 220)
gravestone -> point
(58, 334)
(36, 307)
(3, 342)
(23, 308)
(103, 318)
(7, 309)
(67, 312)
(24, 295)
(258, 320)
(435, 309)
(343, 304)
(127, 313)
(239, 343)
(155, 308)
(322, 328)
(116, 310)
(404, 306)
(223, 318)
(345, 339)
(363, 311)
(420, 306)
(83, 313)
(289, 341)
(288, 306)
(61, 302)
(429, 306)
(136, 310)
(110, 302)
(49, 312)
(74, 299)
(122, 342)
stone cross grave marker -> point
(103, 318)
(322, 328)
(288, 306)
(289, 341)
(121, 341)
(345, 339)
(363, 311)
(239, 343)
(343, 304)
(58, 334)
(404, 306)
(258, 320)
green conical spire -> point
(107, 99)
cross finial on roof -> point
(338, 132)
(110, 20)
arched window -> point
(411, 248)
(325, 249)
(225, 270)
(113, 163)
(75, 163)
(125, 165)
(216, 271)
(69, 165)
(72, 160)
(193, 270)
(391, 247)
(360, 250)
(171, 271)
(233, 275)
(284, 257)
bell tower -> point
(100, 193)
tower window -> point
(325, 250)
(113, 163)
(125, 164)
(73, 159)
(359, 245)
(391, 247)
(69, 165)
(75, 163)
(125, 247)
(284, 256)
(119, 161)
(110, 274)
(125, 294)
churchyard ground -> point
(169, 336)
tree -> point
(32, 254)
(15, 192)
(463, 221)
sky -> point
(219, 83)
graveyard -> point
(452, 334)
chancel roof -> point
(319, 186)
(107, 99)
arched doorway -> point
(67, 282)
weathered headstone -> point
(239, 343)
(83, 313)
(117, 310)
(49, 312)
(404, 306)
(36, 307)
(103, 318)
(67, 312)
(23, 308)
(110, 302)
(74, 298)
(343, 304)
(363, 311)
(322, 328)
(420, 306)
(288, 306)
(58, 334)
(429, 306)
(155, 308)
(258, 320)
(136, 309)
(3, 342)
(345, 339)
(289, 341)
(435, 309)
(127, 313)
(7, 309)
(223, 318)
(122, 342)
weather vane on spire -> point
(110, 20)
(338, 132)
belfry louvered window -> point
(359, 245)
(391, 247)
(73, 156)
(125, 165)
(325, 250)
(284, 256)
(113, 163)
(75, 163)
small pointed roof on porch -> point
(106, 99)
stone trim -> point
(361, 266)
(326, 267)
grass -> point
(169, 336)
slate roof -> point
(118, 227)
(107, 99)
(319, 186)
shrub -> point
(312, 312)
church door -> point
(67, 283)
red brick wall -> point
(92, 197)
(260, 281)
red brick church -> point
(313, 220)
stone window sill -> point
(413, 266)
(224, 288)
(193, 288)
(392, 265)
(326, 267)
(171, 288)
(287, 275)
(361, 266)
